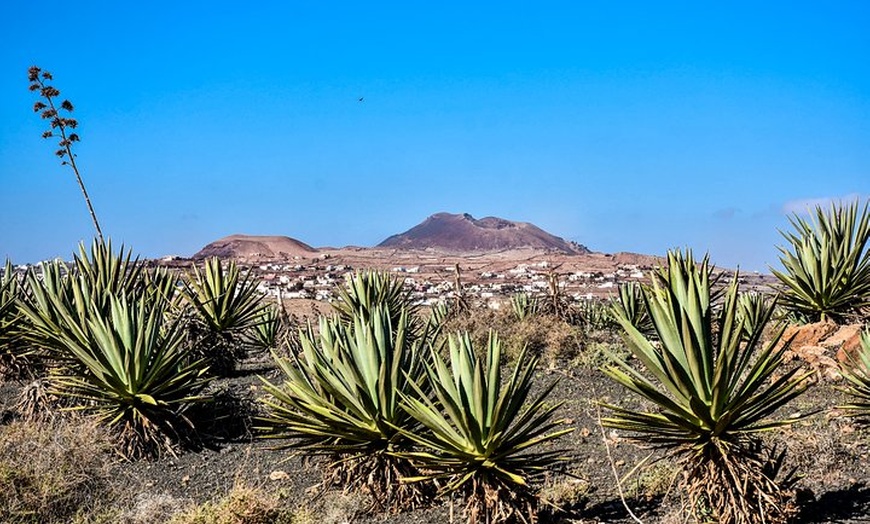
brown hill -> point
(465, 234)
(250, 247)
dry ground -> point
(829, 452)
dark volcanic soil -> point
(830, 453)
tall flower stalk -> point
(63, 126)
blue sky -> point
(626, 126)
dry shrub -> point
(152, 508)
(53, 471)
(244, 504)
(34, 401)
(477, 323)
(334, 507)
(568, 494)
(546, 335)
(594, 352)
(655, 479)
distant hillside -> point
(250, 246)
(465, 234)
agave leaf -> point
(826, 269)
(711, 386)
(114, 345)
(342, 389)
(476, 427)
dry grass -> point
(153, 508)
(568, 493)
(545, 334)
(244, 504)
(54, 471)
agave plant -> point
(483, 437)
(115, 355)
(228, 307)
(268, 328)
(366, 290)
(754, 308)
(14, 353)
(340, 397)
(108, 274)
(715, 390)
(524, 306)
(827, 265)
(630, 304)
(438, 317)
(93, 278)
(594, 315)
(856, 370)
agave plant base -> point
(378, 474)
(34, 401)
(16, 365)
(490, 501)
(142, 436)
(737, 483)
(223, 356)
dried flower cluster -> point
(59, 124)
(49, 111)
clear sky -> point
(625, 126)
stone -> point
(819, 360)
(846, 341)
(807, 334)
(278, 475)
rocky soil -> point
(829, 452)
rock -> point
(278, 475)
(819, 360)
(846, 341)
(808, 334)
(823, 345)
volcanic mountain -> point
(250, 246)
(466, 234)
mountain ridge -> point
(255, 246)
(462, 233)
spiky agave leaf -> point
(827, 265)
(8, 291)
(524, 306)
(753, 309)
(224, 299)
(438, 317)
(630, 304)
(482, 435)
(108, 273)
(229, 307)
(267, 330)
(94, 276)
(129, 367)
(366, 290)
(14, 353)
(342, 392)
(594, 315)
(340, 397)
(856, 370)
(712, 392)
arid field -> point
(404, 386)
